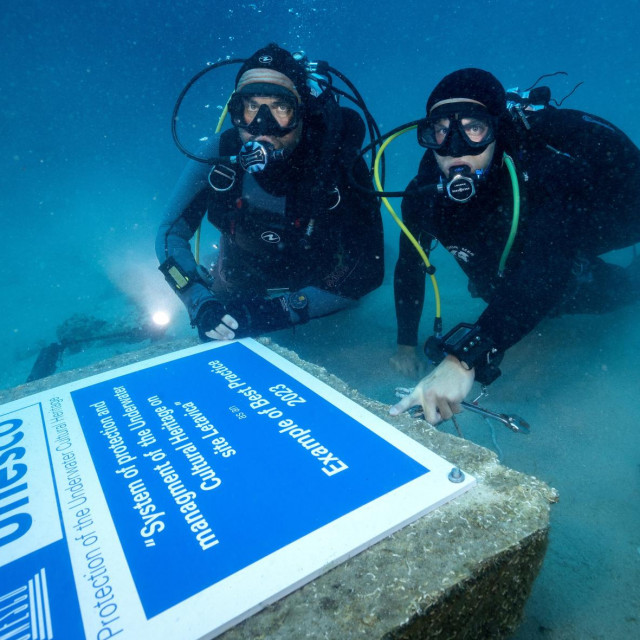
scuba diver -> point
(298, 241)
(527, 199)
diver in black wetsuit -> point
(297, 240)
(576, 203)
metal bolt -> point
(456, 475)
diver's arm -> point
(533, 284)
(536, 275)
(409, 292)
(322, 303)
(531, 287)
(183, 215)
(410, 270)
(253, 316)
(548, 239)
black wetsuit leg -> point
(599, 287)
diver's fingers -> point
(221, 332)
(224, 331)
(444, 409)
(431, 414)
(230, 321)
(406, 403)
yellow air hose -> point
(508, 161)
(414, 242)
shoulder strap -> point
(353, 131)
(226, 183)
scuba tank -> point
(569, 132)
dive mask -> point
(452, 131)
(266, 114)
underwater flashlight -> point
(161, 318)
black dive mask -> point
(456, 132)
(263, 123)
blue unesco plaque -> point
(214, 480)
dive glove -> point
(208, 318)
(259, 315)
(253, 315)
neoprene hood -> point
(274, 58)
(474, 84)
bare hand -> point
(407, 362)
(440, 393)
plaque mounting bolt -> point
(456, 475)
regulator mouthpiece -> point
(461, 187)
(255, 156)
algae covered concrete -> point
(463, 571)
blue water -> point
(88, 162)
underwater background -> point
(88, 162)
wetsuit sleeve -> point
(324, 303)
(541, 264)
(410, 272)
(526, 296)
(183, 215)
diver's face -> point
(282, 112)
(473, 163)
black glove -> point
(259, 315)
(208, 318)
